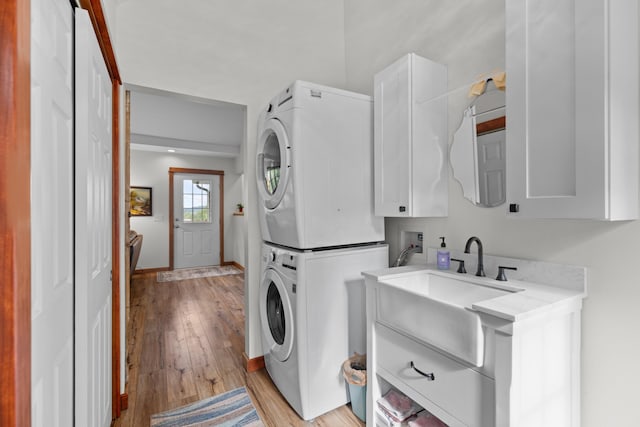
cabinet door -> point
(410, 139)
(572, 68)
(392, 139)
(429, 140)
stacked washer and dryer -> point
(315, 184)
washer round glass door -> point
(272, 163)
(276, 316)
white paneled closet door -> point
(51, 213)
(93, 230)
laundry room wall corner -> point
(253, 344)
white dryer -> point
(315, 168)
(312, 311)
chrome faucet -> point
(467, 250)
(402, 258)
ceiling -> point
(162, 121)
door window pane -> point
(271, 166)
(196, 202)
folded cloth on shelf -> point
(398, 406)
(383, 419)
(425, 419)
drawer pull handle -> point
(429, 376)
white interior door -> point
(51, 213)
(93, 230)
(492, 168)
(196, 214)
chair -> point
(135, 245)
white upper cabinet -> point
(410, 139)
(572, 108)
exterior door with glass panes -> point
(196, 215)
(273, 163)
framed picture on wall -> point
(141, 201)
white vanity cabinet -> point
(572, 108)
(530, 369)
(410, 139)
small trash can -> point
(354, 370)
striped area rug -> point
(195, 273)
(233, 408)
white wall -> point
(240, 51)
(149, 169)
(239, 229)
(186, 118)
(468, 36)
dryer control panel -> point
(289, 261)
(280, 257)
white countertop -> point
(527, 299)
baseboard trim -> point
(254, 364)
(159, 269)
(124, 401)
(150, 270)
(235, 264)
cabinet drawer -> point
(464, 393)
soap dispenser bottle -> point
(443, 256)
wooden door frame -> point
(172, 172)
(15, 205)
(15, 213)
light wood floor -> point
(185, 343)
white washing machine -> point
(312, 311)
(315, 168)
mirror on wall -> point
(478, 150)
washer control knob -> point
(273, 257)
